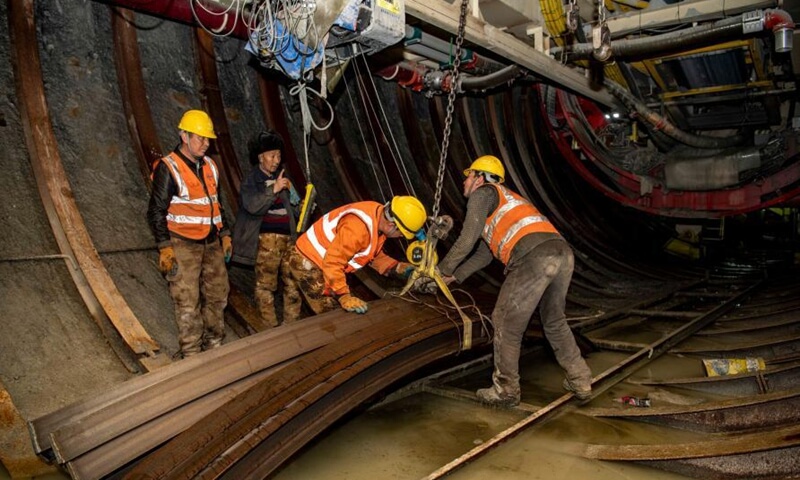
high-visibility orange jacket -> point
(345, 240)
(513, 218)
(194, 207)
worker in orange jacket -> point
(188, 222)
(346, 239)
(539, 265)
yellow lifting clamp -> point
(427, 268)
(308, 207)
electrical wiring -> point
(235, 5)
(401, 166)
(361, 133)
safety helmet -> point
(197, 122)
(408, 214)
(489, 164)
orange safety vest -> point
(513, 218)
(314, 243)
(193, 209)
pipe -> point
(723, 30)
(492, 80)
(782, 26)
(681, 13)
(406, 74)
(217, 21)
(662, 124)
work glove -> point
(403, 269)
(353, 304)
(227, 248)
(441, 226)
(425, 285)
(166, 260)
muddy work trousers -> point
(308, 279)
(199, 290)
(540, 277)
(272, 262)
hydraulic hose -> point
(779, 21)
(660, 123)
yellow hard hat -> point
(488, 164)
(408, 214)
(197, 122)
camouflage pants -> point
(542, 274)
(199, 290)
(271, 263)
(307, 278)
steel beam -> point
(445, 16)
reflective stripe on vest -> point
(315, 242)
(192, 211)
(513, 218)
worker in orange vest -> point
(539, 265)
(346, 239)
(188, 222)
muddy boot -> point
(489, 396)
(581, 392)
(211, 343)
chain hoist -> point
(572, 15)
(601, 35)
(427, 267)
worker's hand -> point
(403, 269)
(227, 248)
(281, 183)
(166, 260)
(441, 226)
(425, 285)
(353, 304)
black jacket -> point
(164, 189)
(255, 201)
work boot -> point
(580, 393)
(212, 343)
(490, 396)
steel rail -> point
(601, 382)
(271, 454)
(94, 283)
(781, 377)
(613, 315)
(128, 64)
(199, 447)
(325, 418)
(94, 426)
(116, 453)
(753, 442)
(117, 403)
(762, 411)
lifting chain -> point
(573, 13)
(451, 100)
(427, 268)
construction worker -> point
(539, 265)
(188, 222)
(265, 228)
(346, 239)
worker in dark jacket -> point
(539, 265)
(188, 222)
(264, 231)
